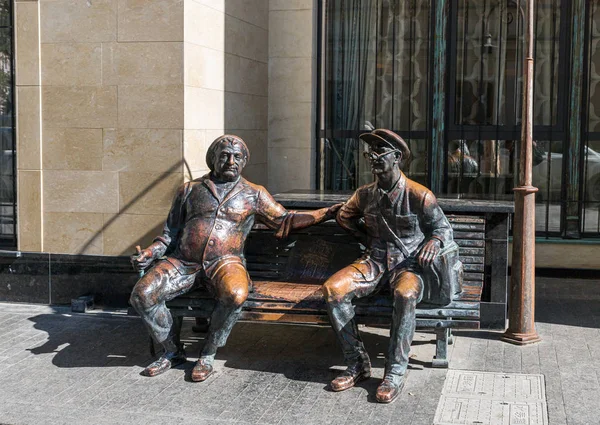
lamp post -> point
(521, 314)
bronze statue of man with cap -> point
(406, 235)
(204, 237)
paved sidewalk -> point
(57, 367)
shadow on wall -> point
(157, 230)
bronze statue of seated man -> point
(409, 245)
(204, 237)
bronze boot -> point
(389, 388)
(202, 370)
(352, 375)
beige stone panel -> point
(204, 26)
(27, 44)
(79, 107)
(290, 169)
(291, 124)
(255, 12)
(81, 191)
(195, 174)
(151, 106)
(564, 255)
(204, 109)
(290, 79)
(142, 150)
(204, 67)
(73, 233)
(246, 76)
(291, 4)
(257, 143)
(291, 34)
(28, 128)
(214, 4)
(246, 40)
(147, 193)
(78, 21)
(29, 202)
(194, 150)
(71, 64)
(243, 111)
(155, 63)
(257, 173)
(150, 20)
(72, 149)
(109, 68)
(124, 231)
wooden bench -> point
(287, 277)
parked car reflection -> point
(547, 176)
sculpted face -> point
(229, 161)
(382, 157)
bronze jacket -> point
(397, 223)
(201, 229)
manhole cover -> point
(484, 398)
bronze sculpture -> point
(204, 236)
(409, 244)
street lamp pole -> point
(521, 315)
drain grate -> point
(484, 398)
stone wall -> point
(117, 101)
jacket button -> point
(218, 227)
(211, 242)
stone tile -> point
(81, 191)
(257, 173)
(109, 67)
(71, 64)
(150, 106)
(73, 233)
(142, 193)
(124, 231)
(150, 63)
(246, 40)
(291, 79)
(291, 4)
(204, 109)
(72, 149)
(245, 112)
(27, 39)
(291, 34)
(142, 150)
(257, 143)
(290, 169)
(79, 107)
(78, 21)
(150, 20)
(195, 146)
(29, 192)
(28, 128)
(204, 67)
(204, 26)
(291, 124)
(255, 12)
(246, 76)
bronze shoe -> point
(351, 376)
(389, 388)
(202, 370)
(164, 363)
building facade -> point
(109, 105)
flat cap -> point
(390, 138)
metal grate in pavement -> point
(484, 398)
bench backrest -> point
(315, 253)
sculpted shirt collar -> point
(231, 188)
(390, 198)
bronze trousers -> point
(229, 284)
(360, 279)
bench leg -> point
(441, 348)
(202, 325)
(152, 349)
(450, 337)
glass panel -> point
(485, 168)
(5, 14)
(377, 69)
(547, 177)
(490, 55)
(594, 68)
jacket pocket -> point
(406, 225)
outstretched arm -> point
(295, 220)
